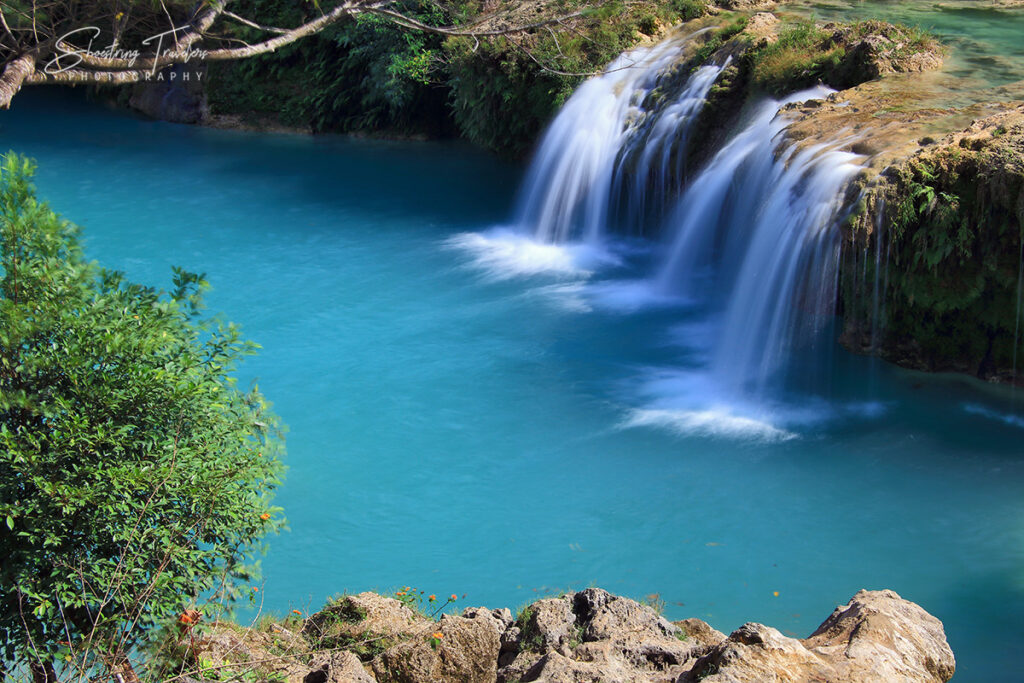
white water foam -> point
(1005, 418)
(711, 422)
(503, 254)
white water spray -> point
(753, 238)
(569, 190)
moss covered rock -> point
(941, 234)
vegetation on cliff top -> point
(370, 75)
(951, 230)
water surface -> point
(466, 432)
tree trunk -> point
(14, 76)
(124, 672)
(43, 672)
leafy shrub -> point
(135, 478)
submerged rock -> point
(589, 636)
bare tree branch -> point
(57, 60)
(15, 74)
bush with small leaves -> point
(135, 477)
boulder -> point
(879, 636)
(594, 635)
(754, 652)
(337, 667)
(876, 637)
(366, 623)
(455, 650)
(747, 5)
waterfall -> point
(750, 241)
(570, 188)
(786, 283)
(755, 234)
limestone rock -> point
(879, 636)
(367, 623)
(756, 653)
(875, 638)
(236, 651)
(466, 651)
(586, 637)
(700, 632)
(763, 25)
(596, 636)
(337, 667)
(549, 624)
(747, 5)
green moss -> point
(799, 58)
(530, 638)
(953, 234)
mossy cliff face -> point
(939, 237)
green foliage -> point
(135, 477)
(954, 236)
(806, 54)
(370, 75)
(719, 37)
(799, 58)
(530, 638)
(505, 89)
(362, 75)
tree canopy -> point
(120, 41)
(135, 476)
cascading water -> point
(751, 240)
(786, 282)
(570, 189)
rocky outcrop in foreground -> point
(587, 636)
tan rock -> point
(583, 637)
(337, 667)
(758, 653)
(230, 650)
(367, 623)
(876, 638)
(548, 624)
(747, 5)
(466, 651)
(763, 25)
(700, 632)
(879, 636)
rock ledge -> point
(588, 636)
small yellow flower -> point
(432, 598)
(265, 516)
(438, 635)
(296, 611)
(454, 597)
